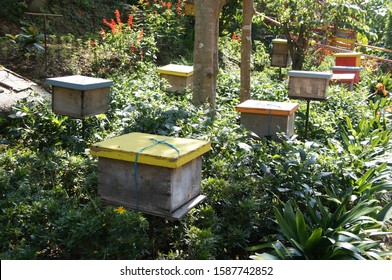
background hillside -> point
(79, 16)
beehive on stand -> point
(344, 78)
(154, 174)
(79, 96)
(348, 59)
(348, 70)
(308, 84)
(280, 53)
(179, 77)
(266, 118)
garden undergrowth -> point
(324, 197)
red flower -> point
(236, 37)
(178, 8)
(106, 22)
(92, 43)
(130, 21)
(133, 48)
(169, 5)
(111, 24)
(118, 17)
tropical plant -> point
(29, 39)
(345, 232)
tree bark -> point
(297, 47)
(246, 49)
(205, 60)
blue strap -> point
(156, 142)
(270, 105)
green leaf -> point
(310, 161)
(385, 213)
(290, 218)
(284, 226)
(266, 170)
(350, 234)
(354, 215)
(302, 154)
(301, 227)
(355, 252)
(245, 147)
(314, 239)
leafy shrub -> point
(122, 47)
(172, 30)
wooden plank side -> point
(268, 125)
(280, 60)
(95, 102)
(309, 88)
(117, 185)
(178, 84)
(158, 190)
(67, 102)
(186, 182)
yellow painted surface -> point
(127, 146)
(176, 70)
(267, 107)
(348, 54)
(279, 41)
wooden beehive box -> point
(79, 96)
(348, 59)
(308, 85)
(179, 77)
(266, 118)
(154, 174)
(280, 53)
(348, 70)
(189, 8)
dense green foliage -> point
(324, 197)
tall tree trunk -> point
(205, 60)
(298, 47)
(246, 48)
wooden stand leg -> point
(307, 118)
(83, 129)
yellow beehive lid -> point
(349, 54)
(151, 149)
(267, 107)
(279, 41)
(176, 70)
